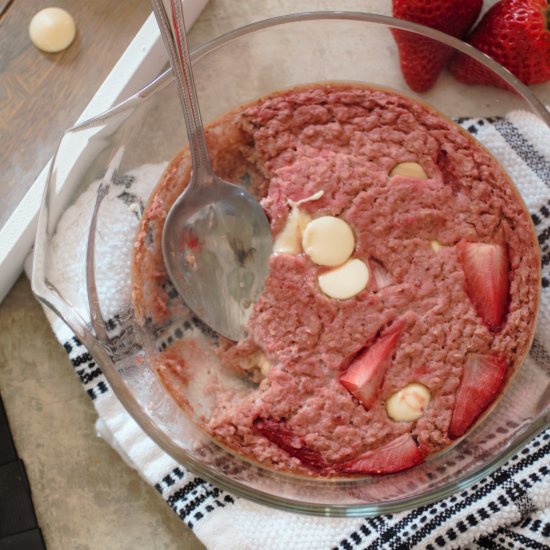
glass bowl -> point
(147, 130)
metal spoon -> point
(216, 239)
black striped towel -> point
(508, 509)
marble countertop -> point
(85, 496)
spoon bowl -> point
(216, 247)
(216, 239)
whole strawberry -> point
(516, 34)
(422, 59)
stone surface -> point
(85, 496)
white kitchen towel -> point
(508, 509)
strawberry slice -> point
(482, 380)
(399, 454)
(364, 376)
(278, 432)
(486, 269)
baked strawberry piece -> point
(516, 34)
(422, 59)
(482, 381)
(278, 433)
(487, 280)
(397, 455)
(364, 376)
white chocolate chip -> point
(328, 241)
(315, 197)
(436, 246)
(264, 364)
(345, 281)
(52, 30)
(409, 403)
(410, 169)
(289, 240)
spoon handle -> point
(175, 41)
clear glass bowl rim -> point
(49, 296)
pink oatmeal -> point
(450, 302)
